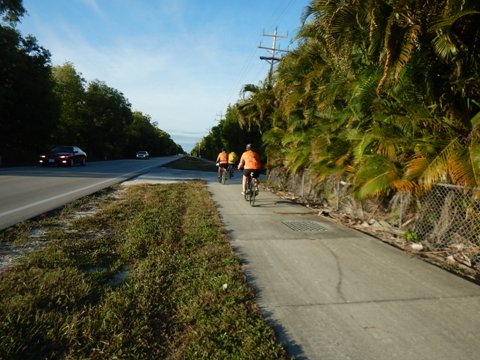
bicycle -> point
(222, 178)
(252, 189)
(231, 170)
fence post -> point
(400, 218)
(338, 195)
(303, 183)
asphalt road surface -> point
(26, 192)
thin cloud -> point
(92, 4)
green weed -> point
(411, 236)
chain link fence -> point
(444, 220)
(449, 216)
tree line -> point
(43, 105)
(228, 134)
(384, 94)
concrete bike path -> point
(332, 292)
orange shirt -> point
(250, 160)
(222, 158)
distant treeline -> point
(43, 105)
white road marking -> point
(71, 192)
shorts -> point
(223, 165)
(256, 173)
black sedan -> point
(64, 155)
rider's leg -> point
(221, 170)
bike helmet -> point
(249, 146)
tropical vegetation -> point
(227, 133)
(43, 105)
(384, 94)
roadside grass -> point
(192, 163)
(149, 275)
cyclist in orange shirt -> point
(222, 163)
(250, 162)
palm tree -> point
(453, 152)
(255, 109)
(406, 91)
(383, 92)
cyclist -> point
(250, 162)
(232, 159)
(222, 163)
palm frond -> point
(475, 121)
(444, 47)
(363, 145)
(249, 88)
(364, 91)
(448, 21)
(375, 176)
(474, 158)
(409, 44)
(388, 52)
(435, 169)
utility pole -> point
(272, 59)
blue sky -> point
(180, 61)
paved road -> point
(334, 293)
(26, 192)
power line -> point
(272, 59)
(276, 20)
(275, 16)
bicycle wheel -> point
(253, 192)
(247, 190)
(253, 195)
(224, 176)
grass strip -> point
(192, 163)
(150, 275)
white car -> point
(143, 155)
